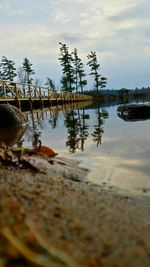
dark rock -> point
(12, 135)
(134, 112)
(11, 116)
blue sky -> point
(119, 32)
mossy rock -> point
(11, 116)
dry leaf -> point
(47, 151)
(44, 160)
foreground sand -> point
(94, 227)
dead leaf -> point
(47, 151)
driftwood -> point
(134, 112)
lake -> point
(117, 152)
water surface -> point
(117, 152)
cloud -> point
(136, 10)
(4, 6)
(118, 32)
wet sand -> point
(93, 226)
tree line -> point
(73, 73)
(24, 73)
(73, 77)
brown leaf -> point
(47, 151)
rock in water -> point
(11, 116)
(134, 108)
(134, 112)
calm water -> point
(117, 152)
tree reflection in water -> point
(33, 132)
(72, 125)
(54, 114)
(101, 114)
(75, 122)
(83, 133)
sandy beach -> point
(92, 227)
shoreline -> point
(93, 227)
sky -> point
(118, 31)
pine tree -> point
(50, 84)
(93, 64)
(78, 72)
(27, 66)
(103, 82)
(75, 61)
(7, 69)
(67, 80)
